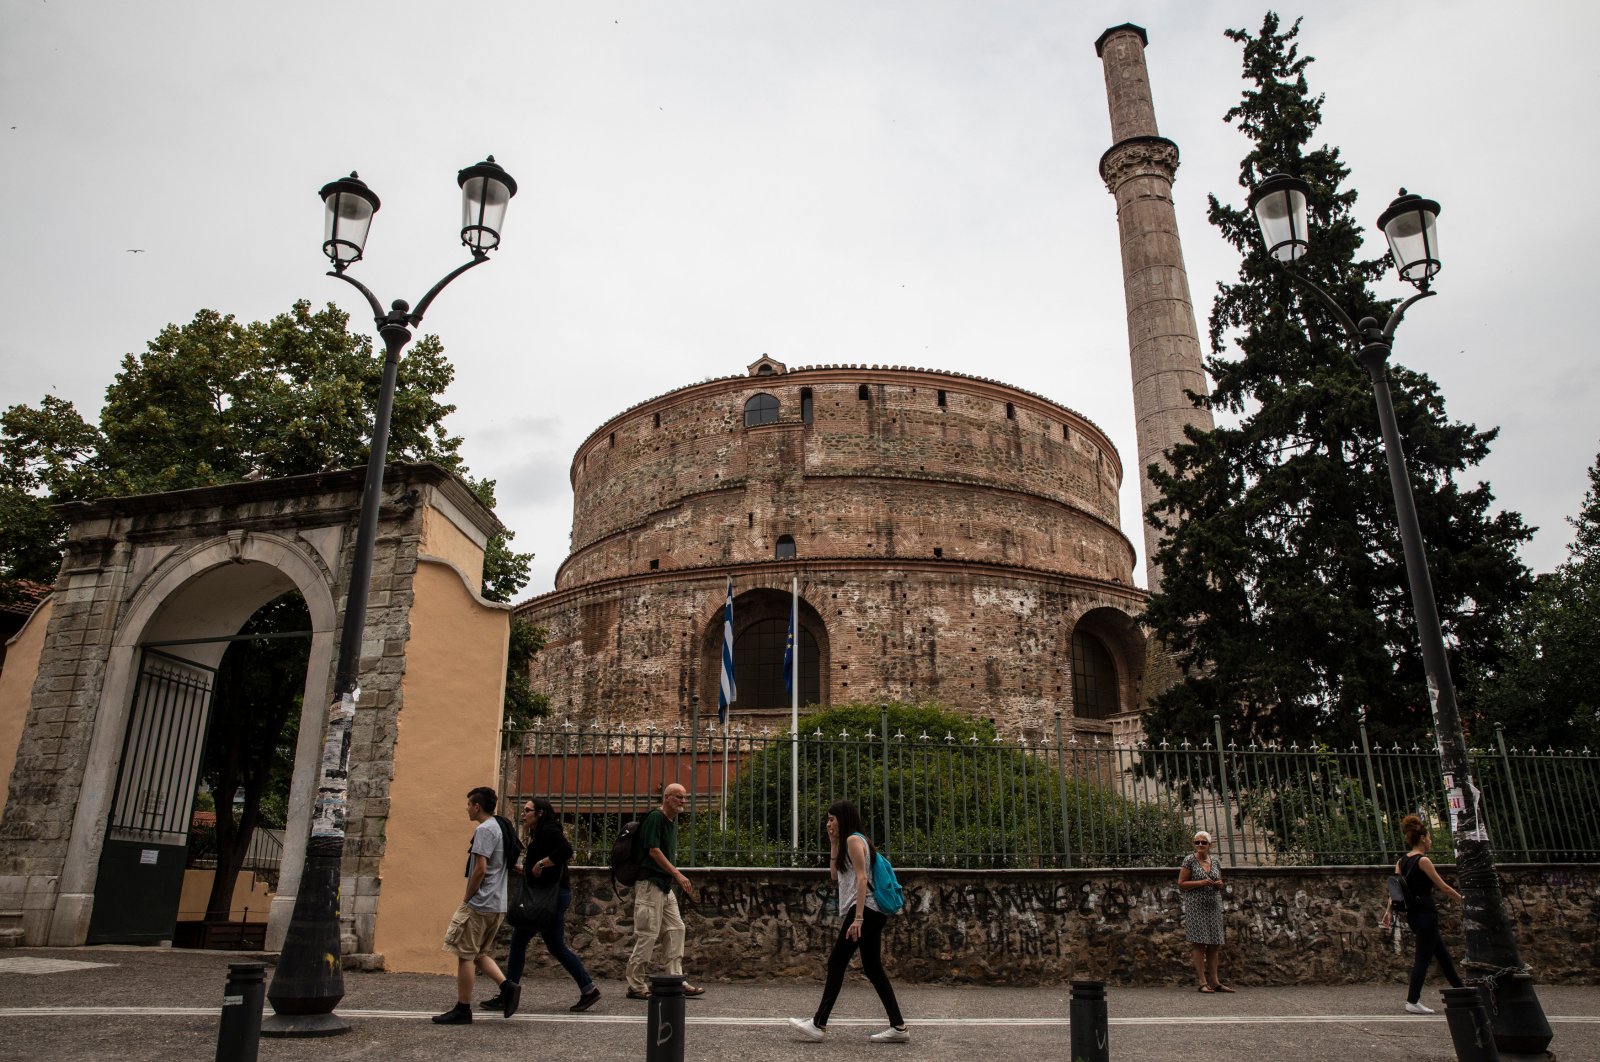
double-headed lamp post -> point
(1410, 224)
(309, 981)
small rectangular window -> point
(938, 551)
(1066, 432)
(655, 565)
(613, 440)
(806, 412)
(863, 394)
(658, 420)
(1011, 411)
(941, 399)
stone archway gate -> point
(191, 566)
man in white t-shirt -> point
(483, 909)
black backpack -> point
(625, 862)
(513, 843)
(1399, 891)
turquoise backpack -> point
(886, 890)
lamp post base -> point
(304, 1025)
(1520, 1027)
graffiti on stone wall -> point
(1126, 927)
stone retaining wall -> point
(1289, 925)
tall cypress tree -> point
(1283, 579)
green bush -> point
(936, 791)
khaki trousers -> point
(655, 916)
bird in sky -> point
(136, 250)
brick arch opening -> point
(1108, 656)
(760, 628)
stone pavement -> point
(68, 1004)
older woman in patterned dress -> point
(1200, 886)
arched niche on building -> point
(760, 630)
(1108, 659)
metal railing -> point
(956, 800)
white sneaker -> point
(1418, 1008)
(808, 1028)
(891, 1035)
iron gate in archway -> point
(147, 837)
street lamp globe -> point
(1410, 224)
(1279, 204)
(485, 191)
(350, 205)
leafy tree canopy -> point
(1545, 694)
(216, 401)
(1283, 589)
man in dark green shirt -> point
(655, 906)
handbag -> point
(535, 905)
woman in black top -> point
(544, 859)
(1421, 878)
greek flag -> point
(730, 689)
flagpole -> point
(794, 712)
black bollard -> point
(1088, 1022)
(239, 1032)
(663, 1027)
(1469, 1025)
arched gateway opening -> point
(173, 647)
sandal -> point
(638, 995)
(1207, 989)
(693, 990)
(1221, 988)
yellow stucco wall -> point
(251, 899)
(16, 689)
(443, 539)
(446, 742)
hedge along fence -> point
(939, 789)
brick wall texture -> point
(950, 535)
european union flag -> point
(788, 659)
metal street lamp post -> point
(1279, 204)
(309, 981)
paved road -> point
(154, 1004)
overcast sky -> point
(906, 182)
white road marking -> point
(745, 1020)
(27, 964)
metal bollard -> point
(1088, 1022)
(1469, 1025)
(239, 1032)
(663, 1027)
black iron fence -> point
(956, 800)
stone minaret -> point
(1162, 341)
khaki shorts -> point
(472, 932)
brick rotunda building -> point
(955, 539)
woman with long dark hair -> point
(545, 858)
(850, 858)
(1422, 914)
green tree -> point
(523, 705)
(249, 754)
(46, 457)
(1546, 694)
(217, 401)
(1283, 581)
